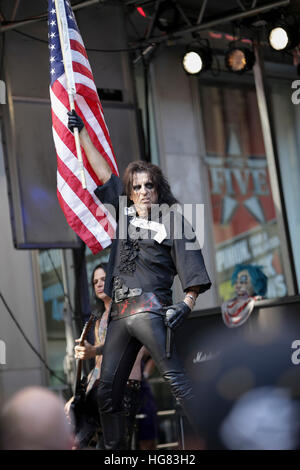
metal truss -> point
(16, 24)
(247, 9)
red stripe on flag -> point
(80, 68)
(94, 138)
(84, 90)
(76, 46)
(78, 227)
(68, 138)
(84, 196)
(61, 93)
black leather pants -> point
(123, 341)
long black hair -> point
(99, 303)
(165, 195)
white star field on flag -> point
(53, 34)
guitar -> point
(82, 415)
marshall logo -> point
(205, 357)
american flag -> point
(84, 212)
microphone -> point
(169, 314)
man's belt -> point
(146, 302)
(125, 292)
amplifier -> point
(256, 362)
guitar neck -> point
(78, 376)
(83, 336)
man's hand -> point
(180, 313)
(74, 121)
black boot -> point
(132, 403)
(114, 431)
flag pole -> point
(67, 60)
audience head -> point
(34, 418)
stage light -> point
(196, 59)
(141, 11)
(283, 37)
(278, 38)
(192, 63)
(239, 59)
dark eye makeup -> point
(137, 187)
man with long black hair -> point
(89, 419)
(141, 270)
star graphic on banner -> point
(252, 204)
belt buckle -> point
(119, 296)
(137, 291)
